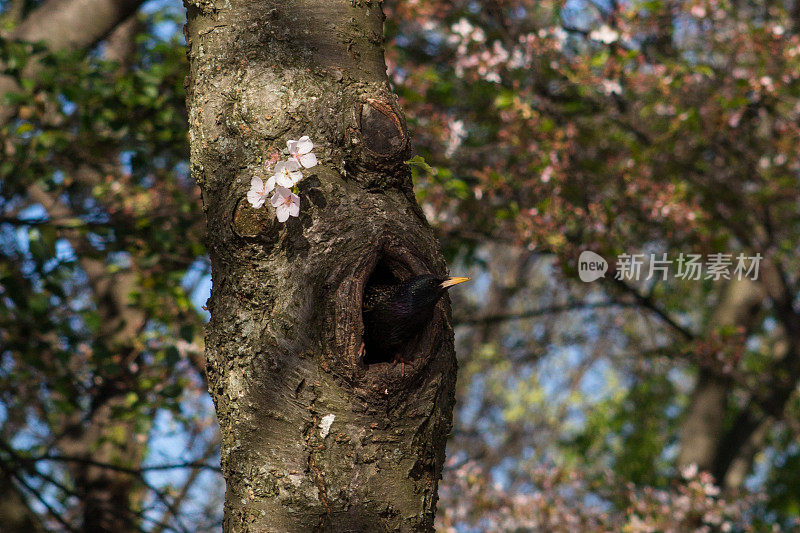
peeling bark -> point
(312, 438)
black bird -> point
(394, 314)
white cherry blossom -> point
(689, 471)
(610, 87)
(604, 34)
(287, 173)
(466, 32)
(259, 190)
(462, 28)
(300, 150)
(286, 203)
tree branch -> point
(118, 468)
(67, 25)
(532, 313)
(648, 303)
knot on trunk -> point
(377, 144)
(251, 222)
(382, 127)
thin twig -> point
(554, 309)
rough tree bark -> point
(285, 330)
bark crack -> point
(311, 466)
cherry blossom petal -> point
(304, 145)
(296, 177)
(255, 198)
(281, 193)
(283, 180)
(308, 160)
(287, 173)
(294, 207)
(282, 212)
(286, 204)
(300, 152)
(257, 193)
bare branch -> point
(648, 303)
(124, 469)
(532, 313)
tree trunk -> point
(285, 331)
(704, 424)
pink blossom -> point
(259, 190)
(287, 173)
(300, 150)
(286, 204)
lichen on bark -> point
(312, 438)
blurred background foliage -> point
(544, 129)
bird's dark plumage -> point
(395, 314)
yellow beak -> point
(449, 282)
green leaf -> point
(418, 163)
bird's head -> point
(426, 290)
